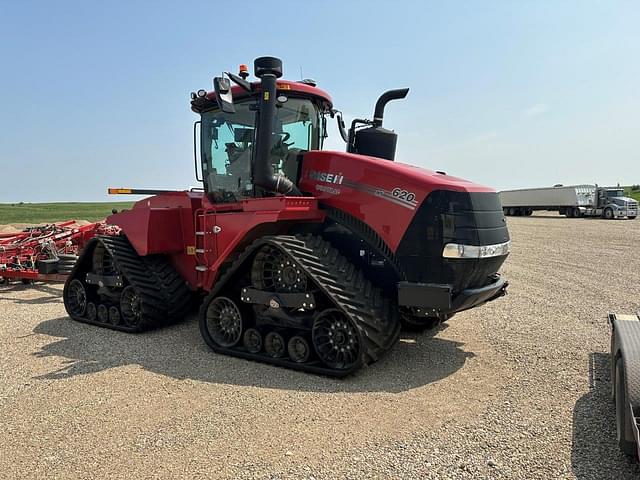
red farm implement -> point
(46, 252)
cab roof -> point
(287, 87)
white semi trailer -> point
(573, 201)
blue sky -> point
(505, 93)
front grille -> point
(471, 218)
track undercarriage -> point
(292, 301)
(295, 301)
(112, 286)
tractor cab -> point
(230, 147)
(227, 144)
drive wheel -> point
(608, 213)
(623, 422)
(224, 322)
(299, 349)
(102, 261)
(336, 340)
(275, 271)
(252, 340)
(274, 345)
(130, 307)
(77, 298)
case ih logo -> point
(326, 177)
(398, 195)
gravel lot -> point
(515, 389)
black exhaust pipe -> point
(376, 141)
(385, 98)
(268, 70)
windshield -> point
(614, 193)
(227, 144)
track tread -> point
(164, 296)
(375, 316)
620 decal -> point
(403, 194)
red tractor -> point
(307, 259)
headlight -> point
(456, 250)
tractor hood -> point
(388, 195)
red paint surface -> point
(167, 223)
(388, 219)
(282, 86)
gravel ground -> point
(515, 389)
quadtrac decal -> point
(332, 181)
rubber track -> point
(162, 299)
(176, 293)
(374, 315)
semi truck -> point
(572, 201)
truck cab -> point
(614, 204)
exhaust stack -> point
(376, 141)
(386, 97)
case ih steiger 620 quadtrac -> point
(309, 259)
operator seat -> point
(292, 163)
(240, 165)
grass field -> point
(55, 212)
(634, 195)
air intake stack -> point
(376, 141)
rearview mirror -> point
(341, 127)
(222, 86)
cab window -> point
(227, 144)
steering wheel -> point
(285, 136)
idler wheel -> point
(130, 307)
(275, 271)
(77, 298)
(336, 340)
(224, 322)
(274, 345)
(252, 340)
(299, 349)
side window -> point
(300, 124)
(227, 144)
(299, 134)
